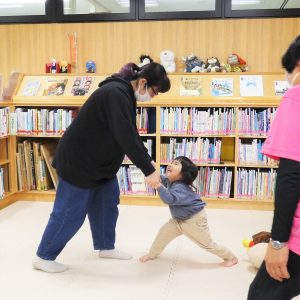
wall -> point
(261, 42)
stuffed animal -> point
(53, 68)
(194, 64)
(213, 65)
(63, 66)
(145, 60)
(167, 60)
(237, 64)
(256, 248)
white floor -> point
(182, 272)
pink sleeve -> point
(284, 136)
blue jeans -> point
(71, 206)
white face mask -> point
(143, 98)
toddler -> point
(188, 214)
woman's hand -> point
(276, 263)
(153, 180)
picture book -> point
(55, 87)
(47, 151)
(222, 87)
(82, 85)
(31, 88)
(190, 86)
(281, 86)
(251, 85)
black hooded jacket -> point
(93, 147)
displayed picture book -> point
(251, 85)
(55, 87)
(48, 151)
(281, 86)
(31, 88)
(82, 85)
(222, 87)
(190, 86)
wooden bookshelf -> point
(229, 154)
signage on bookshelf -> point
(190, 86)
(251, 85)
(222, 87)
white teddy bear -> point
(167, 61)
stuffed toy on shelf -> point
(145, 60)
(236, 63)
(167, 60)
(213, 64)
(194, 64)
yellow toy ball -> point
(246, 243)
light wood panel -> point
(27, 47)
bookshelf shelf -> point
(197, 135)
(222, 164)
(256, 166)
(252, 136)
(175, 98)
(38, 136)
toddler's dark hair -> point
(292, 56)
(189, 170)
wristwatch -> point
(277, 245)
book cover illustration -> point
(31, 88)
(281, 86)
(82, 85)
(55, 87)
(190, 86)
(222, 87)
(251, 85)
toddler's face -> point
(173, 171)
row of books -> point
(199, 150)
(2, 189)
(4, 121)
(34, 168)
(142, 121)
(254, 121)
(214, 182)
(148, 144)
(217, 121)
(132, 181)
(255, 184)
(250, 153)
(44, 121)
(179, 120)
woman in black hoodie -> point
(88, 158)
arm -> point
(172, 196)
(286, 199)
(119, 109)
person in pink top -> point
(279, 275)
